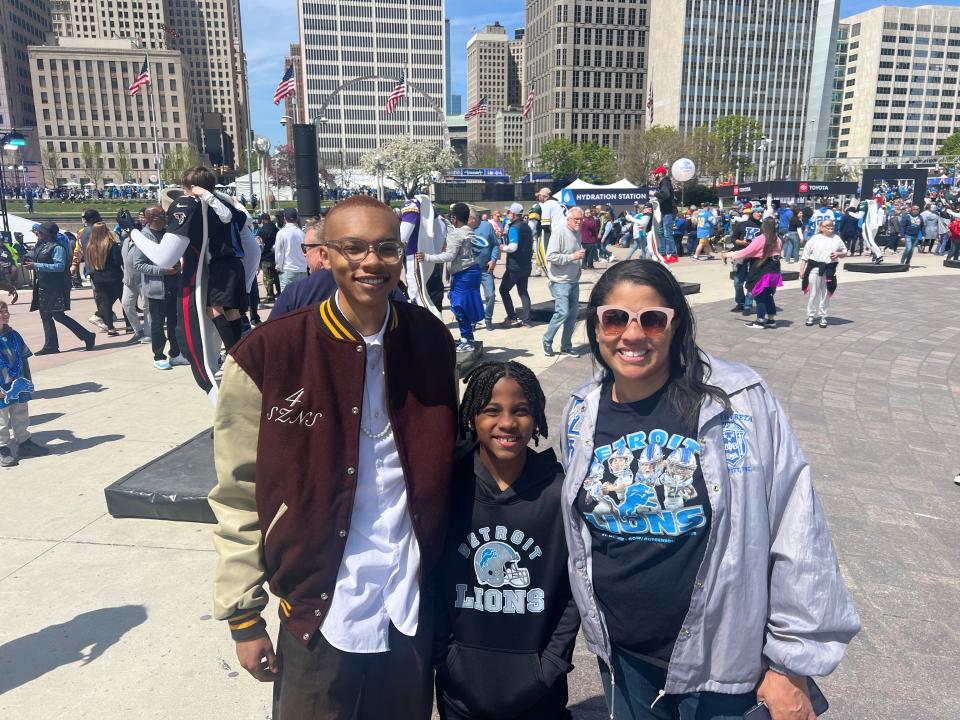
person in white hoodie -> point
(818, 270)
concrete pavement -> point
(111, 618)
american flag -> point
(650, 105)
(142, 80)
(399, 91)
(171, 31)
(287, 86)
(528, 105)
(479, 109)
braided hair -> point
(480, 382)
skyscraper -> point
(587, 66)
(21, 24)
(900, 82)
(773, 64)
(488, 63)
(207, 33)
(515, 69)
(354, 53)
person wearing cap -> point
(51, 290)
(290, 261)
(663, 230)
(519, 252)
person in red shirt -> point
(589, 229)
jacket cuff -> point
(246, 625)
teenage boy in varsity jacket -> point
(334, 439)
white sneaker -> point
(162, 364)
(179, 360)
(95, 320)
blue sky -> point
(269, 26)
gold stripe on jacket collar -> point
(338, 325)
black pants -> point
(510, 279)
(163, 316)
(590, 255)
(435, 287)
(50, 339)
(105, 294)
(320, 682)
(954, 250)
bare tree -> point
(93, 162)
(646, 149)
(51, 166)
(483, 155)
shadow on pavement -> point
(78, 389)
(593, 708)
(86, 637)
(69, 443)
(44, 418)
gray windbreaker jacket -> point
(769, 591)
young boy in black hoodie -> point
(507, 622)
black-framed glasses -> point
(356, 251)
(307, 246)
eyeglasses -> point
(614, 320)
(307, 246)
(356, 251)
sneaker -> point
(145, 340)
(547, 350)
(569, 352)
(756, 324)
(31, 449)
(526, 324)
(95, 320)
(770, 322)
(137, 337)
(956, 479)
(823, 322)
(488, 324)
(88, 343)
(47, 351)
(696, 257)
(746, 313)
(516, 322)
(809, 322)
(162, 364)
(112, 333)
(465, 346)
(178, 360)
(737, 308)
(6, 457)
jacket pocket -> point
(492, 684)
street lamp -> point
(378, 166)
(764, 144)
(11, 140)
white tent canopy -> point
(617, 194)
(579, 184)
(243, 187)
(22, 225)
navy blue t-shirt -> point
(645, 503)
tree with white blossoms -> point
(409, 163)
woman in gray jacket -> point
(699, 555)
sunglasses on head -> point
(653, 320)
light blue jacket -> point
(769, 591)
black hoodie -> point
(506, 608)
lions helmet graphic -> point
(497, 564)
(682, 464)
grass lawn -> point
(107, 208)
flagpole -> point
(153, 121)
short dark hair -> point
(199, 176)
(92, 216)
(480, 382)
(461, 211)
(356, 201)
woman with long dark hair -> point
(105, 259)
(699, 555)
(764, 276)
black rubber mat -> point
(873, 268)
(172, 487)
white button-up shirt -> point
(378, 578)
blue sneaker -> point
(162, 364)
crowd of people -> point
(441, 555)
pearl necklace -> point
(377, 436)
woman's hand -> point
(785, 697)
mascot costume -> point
(869, 212)
(215, 216)
(420, 231)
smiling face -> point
(506, 424)
(640, 364)
(367, 284)
(4, 315)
